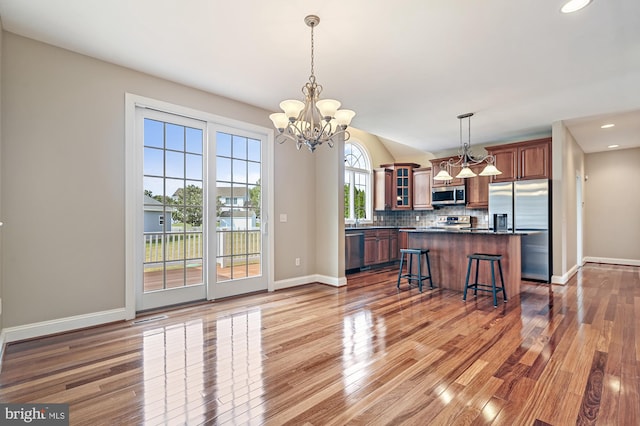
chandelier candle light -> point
(315, 120)
(466, 159)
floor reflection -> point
(239, 369)
(358, 346)
(185, 383)
(173, 372)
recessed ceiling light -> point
(607, 126)
(613, 146)
(574, 5)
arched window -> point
(358, 193)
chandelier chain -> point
(312, 56)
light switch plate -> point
(283, 217)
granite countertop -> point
(365, 227)
(481, 231)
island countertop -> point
(448, 250)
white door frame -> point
(134, 225)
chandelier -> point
(466, 159)
(314, 121)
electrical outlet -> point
(381, 218)
(297, 261)
(417, 218)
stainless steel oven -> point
(446, 195)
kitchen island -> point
(448, 250)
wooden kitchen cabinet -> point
(422, 189)
(478, 188)
(402, 183)
(453, 171)
(370, 248)
(380, 246)
(382, 189)
(522, 160)
(394, 250)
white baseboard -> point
(2, 347)
(39, 329)
(613, 261)
(565, 277)
(294, 282)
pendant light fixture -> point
(466, 159)
(314, 121)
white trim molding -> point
(613, 261)
(2, 346)
(565, 277)
(44, 328)
(310, 279)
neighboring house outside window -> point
(358, 191)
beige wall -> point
(377, 151)
(568, 163)
(63, 168)
(612, 200)
(1, 215)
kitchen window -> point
(358, 193)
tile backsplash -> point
(479, 217)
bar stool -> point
(493, 258)
(410, 276)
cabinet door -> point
(383, 236)
(370, 248)
(478, 188)
(394, 251)
(403, 188)
(506, 162)
(382, 193)
(422, 189)
(534, 161)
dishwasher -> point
(354, 250)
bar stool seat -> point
(491, 288)
(410, 252)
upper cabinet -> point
(401, 186)
(435, 168)
(523, 160)
(383, 189)
(478, 188)
(422, 189)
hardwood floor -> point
(363, 354)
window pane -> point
(153, 186)
(194, 140)
(175, 137)
(153, 161)
(153, 133)
(223, 169)
(223, 144)
(253, 152)
(174, 164)
(254, 173)
(239, 171)
(194, 166)
(239, 147)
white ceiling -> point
(408, 68)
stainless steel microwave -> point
(446, 195)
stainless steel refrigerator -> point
(526, 204)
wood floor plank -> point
(364, 354)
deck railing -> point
(232, 246)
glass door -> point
(240, 240)
(175, 230)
